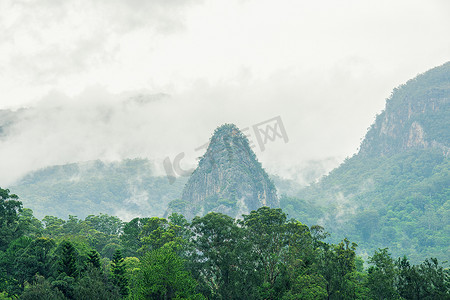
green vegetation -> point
(125, 188)
(264, 255)
(229, 179)
(400, 201)
(395, 192)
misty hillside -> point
(396, 191)
(126, 189)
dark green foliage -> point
(94, 259)
(262, 256)
(36, 258)
(94, 285)
(338, 268)
(131, 235)
(308, 287)
(382, 276)
(219, 262)
(68, 260)
(66, 285)
(267, 231)
(41, 289)
(118, 273)
(10, 209)
(428, 280)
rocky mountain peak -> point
(229, 179)
(417, 116)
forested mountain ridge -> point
(126, 188)
(396, 191)
(417, 116)
(229, 179)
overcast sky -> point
(325, 67)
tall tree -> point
(94, 259)
(268, 235)
(68, 259)
(131, 237)
(220, 259)
(162, 276)
(337, 266)
(34, 259)
(118, 272)
(10, 208)
(382, 276)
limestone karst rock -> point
(229, 179)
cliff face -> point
(395, 191)
(229, 179)
(417, 116)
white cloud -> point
(324, 66)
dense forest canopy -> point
(263, 255)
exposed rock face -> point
(229, 179)
(416, 116)
(416, 136)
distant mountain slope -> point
(417, 116)
(127, 189)
(229, 179)
(396, 191)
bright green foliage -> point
(118, 272)
(4, 296)
(53, 226)
(162, 276)
(155, 233)
(132, 265)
